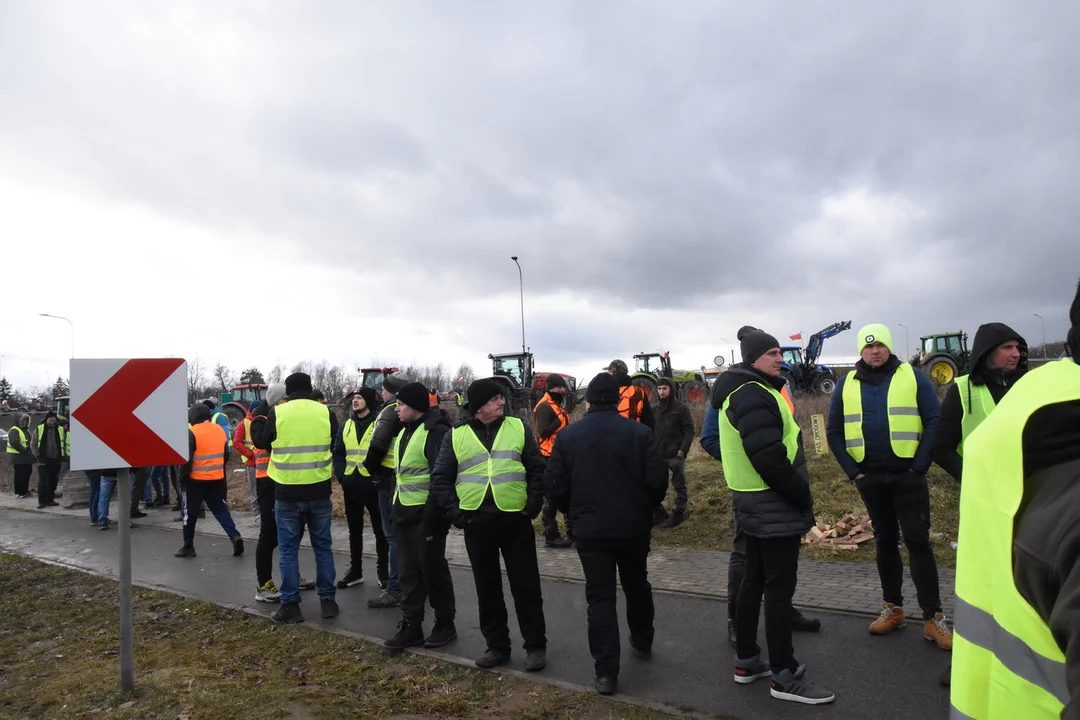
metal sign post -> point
(127, 635)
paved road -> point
(882, 678)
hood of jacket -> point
(433, 417)
(737, 376)
(987, 338)
(623, 379)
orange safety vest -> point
(631, 402)
(546, 444)
(208, 462)
(262, 457)
(786, 394)
(433, 399)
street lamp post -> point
(60, 317)
(521, 286)
(907, 340)
(1043, 323)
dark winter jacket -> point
(434, 519)
(444, 476)
(387, 427)
(949, 435)
(648, 417)
(674, 428)
(21, 443)
(606, 474)
(360, 426)
(185, 469)
(880, 458)
(47, 444)
(787, 507)
(264, 433)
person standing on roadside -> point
(632, 401)
(880, 429)
(243, 444)
(550, 419)
(265, 589)
(21, 456)
(50, 450)
(674, 432)
(606, 473)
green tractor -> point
(944, 356)
(690, 385)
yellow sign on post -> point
(817, 424)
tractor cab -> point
(943, 356)
(792, 356)
(244, 394)
(373, 377)
(62, 405)
(655, 364)
(517, 367)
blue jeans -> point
(105, 491)
(316, 514)
(159, 481)
(386, 503)
(95, 491)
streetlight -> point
(907, 341)
(1043, 322)
(60, 317)
(521, 285)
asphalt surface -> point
(691, 669)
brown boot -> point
(937, 629)
(891, 618)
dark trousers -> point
(264, 548)
(772, 567)
(22, 478)
(736, 569)
(424, 574)
(138, 487)
(902, 502)
(551, 523)
(600, 558)
(677, 466)
(512, 535)
(48, 478)
(360, 495)
(211, 492)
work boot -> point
(491, 658)
(747, 670)
(794, 687)
(237, 545)
(288, 613)
(607, 685)
(643, 652)
(185, 552)
(354, 576)
(558, 542)
(535, 659)
(444, 632)
(937, 630)
(731, 636)
(801, 623)
(891, 618)
(410, 634)
(329, 608)
(675, 520)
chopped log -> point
(860, 538)
(846, 547)
(816, 534)
(842, 526)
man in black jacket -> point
(765, 467)
(674, 432)
(379, 463)
(606, 473)
(550, 419)
(420, 524)
(497, 518)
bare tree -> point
(223, 376)
(196, 379)
(277, 374)
(462, 378)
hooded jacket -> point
(787, 507)
(387, 427)
(435, 521)
(21, 443)
(674, 428)
(949, 434)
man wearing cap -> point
(632, 401)
(299, 435)
(243, 443)
(550, 419)
(488, 480)
(881, 429)
(202, 479)
(606, 472)
(379, 463)
(360, 494)
(420, 524)
(49, 446)
(674, 432)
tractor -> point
(235, 402)
(522, 385)
(690, 385)
(801, 371)
(944, 356)
(373, 377)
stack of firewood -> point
(845, 534)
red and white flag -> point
(796, 336)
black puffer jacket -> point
(435, 521)
(787, 507)
(949, 434)
(387, 427)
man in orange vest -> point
(633, 403)
(202, 479)
(433, 397)
(550, 419)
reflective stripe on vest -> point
(1006, 663)
(301, 450)
(356, 449)
(981, 405)
(208, 462)
(631, 402)
(501, 470)
(388, 460)
(262, 463)
(546, 444)
(22, 438)
(739, 473)
(905, 423)
(248, 442)
(413, 473)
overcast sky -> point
(255, 183)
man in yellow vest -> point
(1017, 579)
(551, 418)
(765, 468)
(202, 479)
(299, 435)
(50, 448)
(881, 428)
(20, 455)
(420, 524)
(489, 481)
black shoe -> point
(186, 551)
(237, 545)
(288, 613)
(491, 658)
(103, 527)
(677, 518)
(409, 634)
(355, 576)
(801, 623)
(329, 608)
(535, 660)
(53, 503)
(441, 634)
(137, 514)
(946, 676)
(607, 685)
(731, 636)
(642, 653)
(384, 601)
(558, 542)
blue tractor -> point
(802, 372)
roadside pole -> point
(127, 635)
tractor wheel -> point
(235, 415)
(942, 370)
(649, 388)
(825, 384)
(695, 392)
(790, 380)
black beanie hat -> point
(1073, 338)
(415, 395)
(664, 381)
(754, 343)
(297, 382)
(481, 391)
(371, 398)
(198, 413)
(210, 404)
(603, 390)
(555, 380)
